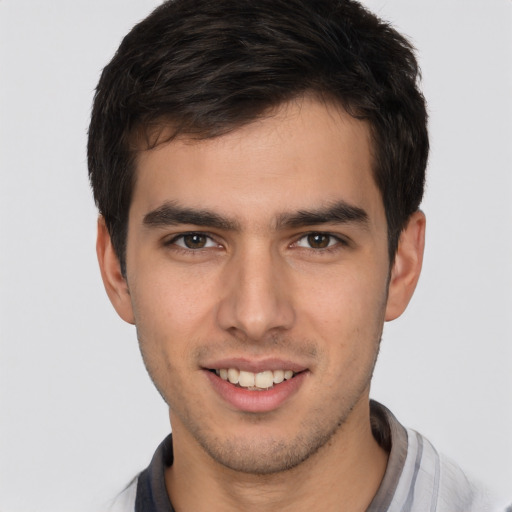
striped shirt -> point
(417, 477)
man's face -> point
(262, 251)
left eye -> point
(317, 241)
(194, 241)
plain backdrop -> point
(78, 415)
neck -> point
(344, 475)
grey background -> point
(78, 414)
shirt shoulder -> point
(125, 500)
(432, 482)
(418, 478)
(147, 492)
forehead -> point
(304, 154)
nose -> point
(257, 298)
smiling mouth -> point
(261, 381)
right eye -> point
(193, 241)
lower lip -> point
(256, 401)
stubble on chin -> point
(264, 451)
(268, 456)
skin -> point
(256, 288)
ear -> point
(407, 266)
(113, 280)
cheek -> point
(346, 316)
(345, 296)
(171, 302)
(169, 316)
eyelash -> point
(173, 241)
(338, 242)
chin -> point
(267, 454)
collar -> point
(390, 434)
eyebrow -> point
(172, 214)
(339, 212)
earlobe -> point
(113, 280)
(407, 266)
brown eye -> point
(195, 241)
(318, 240)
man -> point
(258, 167)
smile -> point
(254, 381)
(256, 387)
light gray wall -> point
(78, 415)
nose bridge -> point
(256, 300)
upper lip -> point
(255, 366)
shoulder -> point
(432, 481)
(420, 479)
(125, 500)
(147, 491)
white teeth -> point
(233, 375)
(254, 381)
(264, 380)
(246, 379)
(278, 376)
